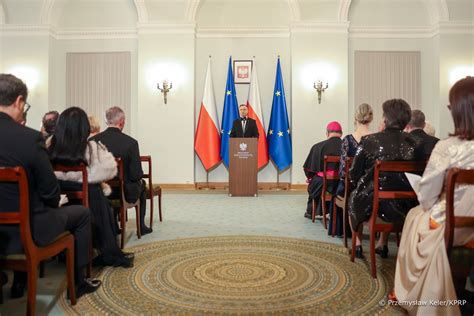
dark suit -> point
(23, 146)
(251, 129)
(126, 147)
(427, 141)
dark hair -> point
(397, 113)
(49, 123)
(10, 89)
(417, 119)
(461, 100)
(69, 141)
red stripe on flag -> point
(207, 142)
(262, 140)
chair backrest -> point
(117, 183)
(22, 216)
(393, 166)
(82, 195)
(456, 176)
(347, 166)
(149, 173)
(334, 162)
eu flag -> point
(278, 136)
(229, 115)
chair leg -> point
(122, 226)
(323, 207)
(334, 217)
(313, 212)
(89, 263)
(32, 280)
(159, 206)
(397, 234)
(344, 225)
(70, 274)
(137, 212)
(150, 193)
(373, 265)
(354, 234)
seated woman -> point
(390, 144)
(362, 118)
(69, 146)
(423, 272)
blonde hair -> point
(94, 123)
(364, 114)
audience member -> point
(362, 119)
(69, 146)
(314, 166)
(22, 146)
(126, 147)
(415, 128)
(429, 129)
(95, 125)
(390, 144)
(423, 272)
(49, 123)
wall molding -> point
(142, 12)
(242, 32)
(343, 12)
(166, 28)
(46, 11)
(458, 27)
(191, 10)
(94, 34)
(329, 27)
(295, 13)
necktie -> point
(244, 122)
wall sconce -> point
(166, 88)
(318, 85)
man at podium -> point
(244, 126)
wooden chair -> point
(121, 203)
(33, 255)
(342, 202)
(327, 196)
(152, 189)
(460, 271)
(83, 197)
(377, 225)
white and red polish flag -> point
(255, 112)
(207, 141)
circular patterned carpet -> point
(238, 274)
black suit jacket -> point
(427, 142)
(23, 146)
(126, 147)
(251, 129)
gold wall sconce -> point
(319, 86)
(167, 86)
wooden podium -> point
(243, 167)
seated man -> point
(415, 128)
(314, 165)
(126, 148)
(22, 146)
(48, 124)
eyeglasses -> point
(26, 108)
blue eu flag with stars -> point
(278, 136)
(229, 115)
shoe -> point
(129, 255)
(123, 262)
(17, 290)
(359, 253)
(89, 286)
(145, 230)
(382, 251)
(308, 215)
